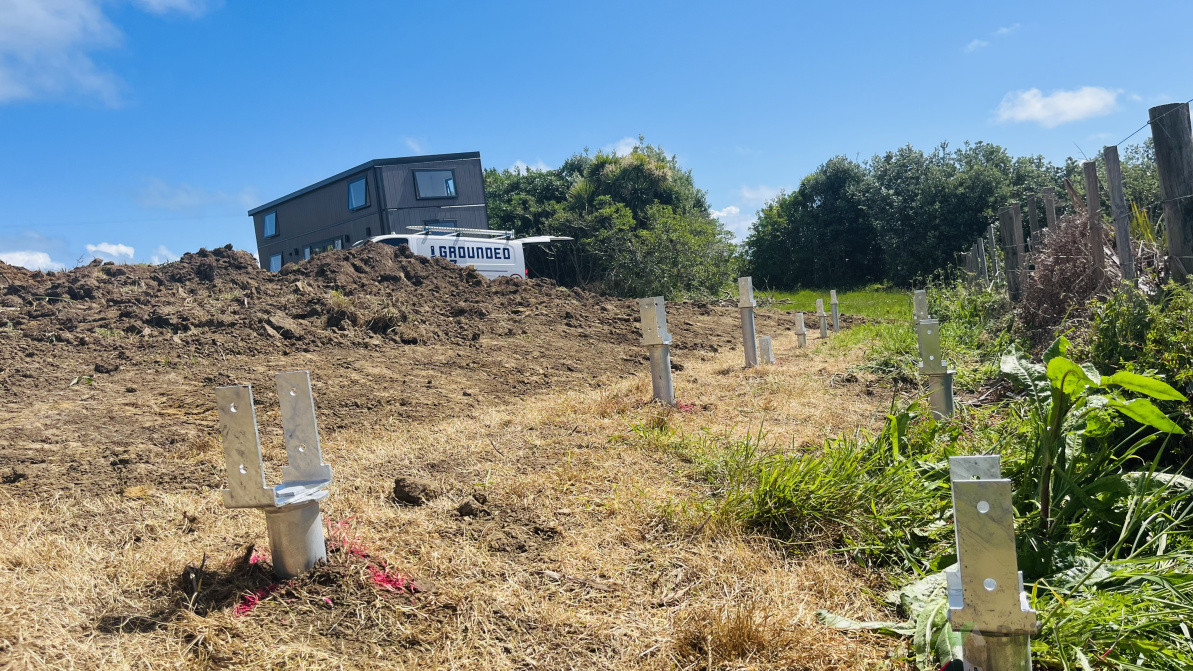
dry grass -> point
(573, 566)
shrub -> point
(1149, 335)
(1062, 279)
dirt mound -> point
(107, 370)
(329, 299)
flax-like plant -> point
(1075, 479)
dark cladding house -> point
(385, 195)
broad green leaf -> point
(1143, 411)
(1099, 423)
(1057, 348)
(1029, 376)
(1067, 376)
(1143, 384)
(1093, 374)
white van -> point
(493, 253)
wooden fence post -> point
(1006, 226)
(1093, 213)
(982, 262)
(1118, 206)
(1017, 232)
(993, 251)
(1033, 221)
(1174, 160)
(1049, 206)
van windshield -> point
(396, 241)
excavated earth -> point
(108, 370)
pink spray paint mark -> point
(250, 601)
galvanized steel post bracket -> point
(657, 340)
(919, 305)
(654, 321)
(745, 293)
(291, 507)
(746, 305)
(928, 332)
(766, 352)
(986, 597)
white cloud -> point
(110, 251)
(157, 194)
(45, 47)
(622, 147)
(979, 43)
(522, 166)
(757, 196)
(415, 145)
(192, 8)
(30, 259)
(162, 255)
(734, 220)
(1057, 107)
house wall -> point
(317, 216)
(321, 212)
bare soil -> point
(543, 535)
(108, 369)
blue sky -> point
(135, 130)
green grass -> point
(872, 302)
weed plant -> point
(1149, 335)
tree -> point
(641, 225)
(819, 235)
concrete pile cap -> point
(832, 296)
(820, 307)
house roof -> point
(430, 158)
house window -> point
(275, 262)
(442, 223)
(357, 195)
(435, 183)
(322, 246)
(271, 224)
